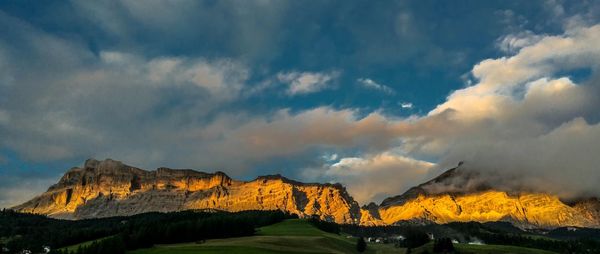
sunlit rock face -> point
(484, 204)
(526, 210)
(110, 188)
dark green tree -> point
(415, 238)
(361, 245)
(443, 245)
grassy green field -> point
(485, 249)
(299, 236)
(290, 236)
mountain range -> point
(110, 188)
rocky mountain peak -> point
(111, 188)
(454, 181)
(462, 194)
(106, 164)
(91, 163)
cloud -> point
(371, 178)
(4, 117)
(524, 124)
(406, 105)
(525, 117)
(524, 120)
(512, 43)
(223, 79)
(554, 7)
(14, 190)
(132, 107)
(82, 104)
(330, 157)
(307, 82)
(500, 80)
(254, 139)
(245, 31)
(368, 83)
(560, 162)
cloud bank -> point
(523, 125)
(528, 119)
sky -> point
(376, 95)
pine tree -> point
(361, 245)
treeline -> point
(112, 245)
(500, 233)
(560, 246)
(574, 233)
(20, 231)
(326, 226)
(139, 231)
(502, 236)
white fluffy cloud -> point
(524, 123)
(512, 43)
(516, 88)
(369, 83)
(223, 79)
(524, 117)
(374, 177)
(307, 82)
(406, 105)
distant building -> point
(476, 243)
(431, 237)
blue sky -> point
(346, 91)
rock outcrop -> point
(426, 204)
(111, 188)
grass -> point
(194, 248)
(299, 236)
(486, 249)
(75, 246)
(295, 227)
(492, 249)
(290, 236)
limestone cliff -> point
(482, 204)
(110, 188)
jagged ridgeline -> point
(110, 188)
